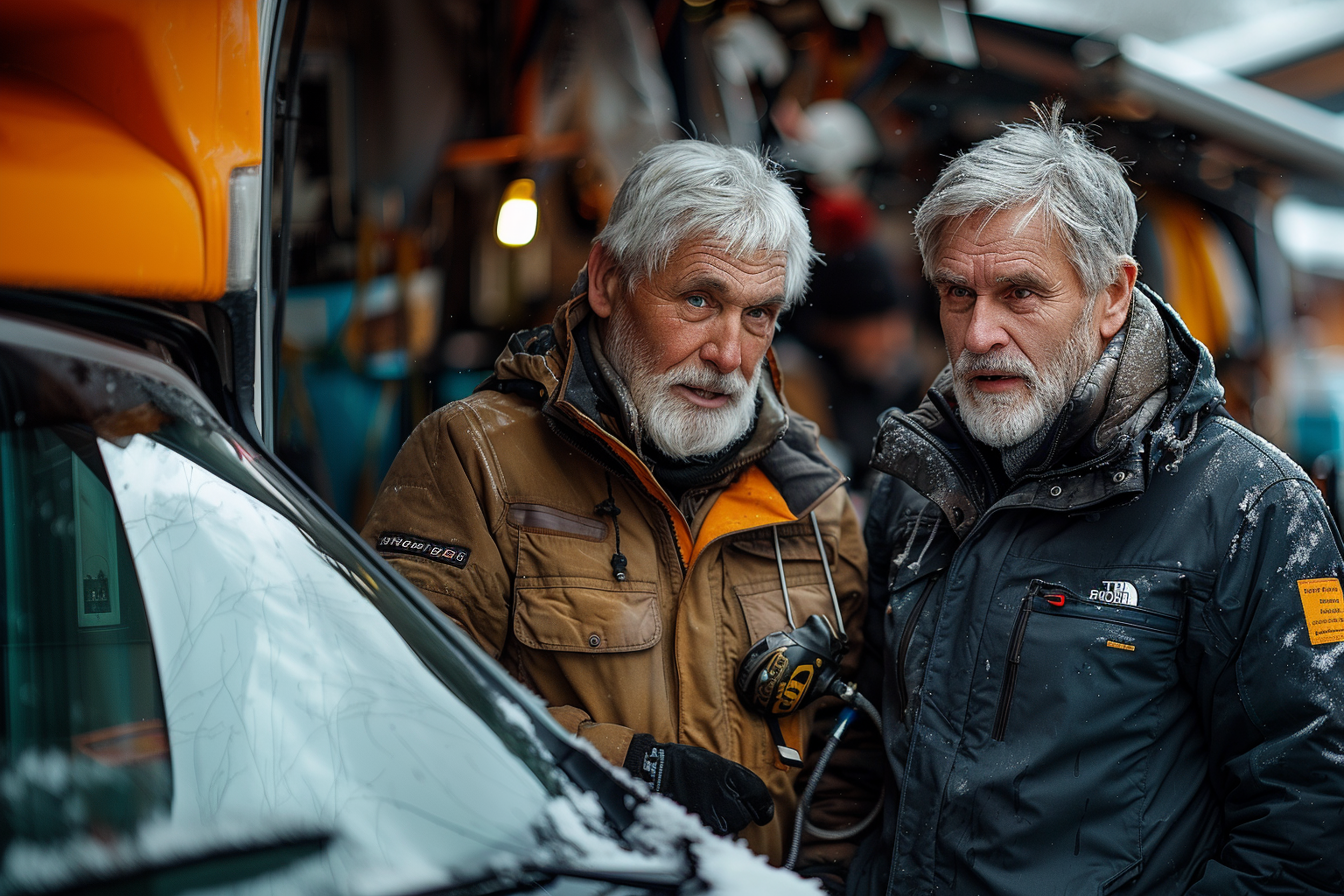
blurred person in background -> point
(858, 332)
(1106, 619)
(615, 514)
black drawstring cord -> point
(609, 508)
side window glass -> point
(85, 748)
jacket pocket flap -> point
(580, 615)
(541, 518)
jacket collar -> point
(784, 446)
(1140, 402)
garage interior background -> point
(419, 118)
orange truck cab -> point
(132, 164)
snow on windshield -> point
(288, 696)
(725, 866)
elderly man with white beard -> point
(1105, 618)
(628, 506)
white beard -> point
(678, 428)
(1002, 420)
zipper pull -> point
(1053, 594)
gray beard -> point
(676, 427)
(1002, 421)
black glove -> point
(724, 794)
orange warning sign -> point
(1323, 604)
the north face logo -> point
(1116, 593)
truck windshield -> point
(187, 646)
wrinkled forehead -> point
(715, 256)
(1027, 222)
(729, 245)
(1027, 225)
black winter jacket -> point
(1099, 673)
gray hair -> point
(1051, 168)
(690, 188)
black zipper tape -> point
(1014, 660)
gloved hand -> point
(724, 794)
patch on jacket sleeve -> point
(1323, 604)
(415, 546)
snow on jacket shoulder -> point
(1120, 675)
(501, 495)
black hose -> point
(853, 698)
(860, 701)
(847, 715)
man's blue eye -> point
(697, 301)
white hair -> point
(694, 189)
(1044, 166)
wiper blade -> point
(530, 877)
(216, 867)
(665, 881)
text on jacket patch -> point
(1122, 593)
(401, 543)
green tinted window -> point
(78, 670)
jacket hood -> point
(1142, 400)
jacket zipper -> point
(1014, 660)
(907, 635)
(1127, 623)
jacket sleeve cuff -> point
(612, 741)
(639, 747)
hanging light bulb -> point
(517, 221)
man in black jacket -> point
(1112, 617)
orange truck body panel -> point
(120, 125)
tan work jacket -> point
(490, 509)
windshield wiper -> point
(212, 868)
(530, 877)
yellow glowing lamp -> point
(517, 221)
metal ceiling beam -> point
(1190, 91)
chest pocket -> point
(580, 615)
(565, 597)
(753, 572)
(922, 549)
(1101, 653)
